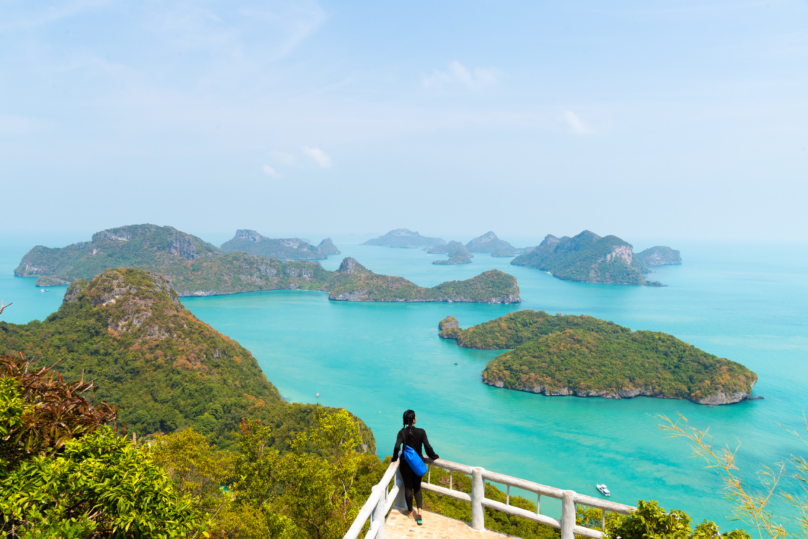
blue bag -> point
(413, 460)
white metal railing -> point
(383, 498)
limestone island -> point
(167, 370)
(197, 268)
(659, 256)
(491, 244)
(354, 282)
(401, 238)
(588, 357)
(587, 258)
(251, 242)
(458, 254)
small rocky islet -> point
(588, 357)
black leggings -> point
(412, 486)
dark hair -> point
(409, 417)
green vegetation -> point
(402, 238)
(251, 242)
(196, 268)
(659, 256)
(587, 258)
(65, 473)
(651, 521)
(361, 284)
(584, 356)
(457, 258)
(167, 370)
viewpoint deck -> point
(398, 526)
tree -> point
(65, 472)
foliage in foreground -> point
(752, 504)
(65, 473)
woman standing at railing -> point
(416, 439)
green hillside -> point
(585, 356)
(127, 330)
(354, 282)
(587, 258)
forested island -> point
(250, 241)
(588, 357)
(401, 238)
(458, 254)
(587, 258)
(127, 330)
(354, 282)
(197, 268)
(659, 256)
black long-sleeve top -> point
(415, 439)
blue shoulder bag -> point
(412, 459)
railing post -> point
(401, 501)
(567, 514)
(477, 495)
(378, 511)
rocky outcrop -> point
(449, 328)
(716, 399)
(351, 266)
(623, 252)
(327, 247)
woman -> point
(415, 438)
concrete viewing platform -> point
(399, 526)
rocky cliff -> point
(587, 258)
(251, 242)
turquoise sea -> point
(748, 303)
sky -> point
(648, 120)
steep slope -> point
(402, 238)
(659, 256)
(587, 258)
(251, 242)
(127, 330)
(588, 357)
(327, 247)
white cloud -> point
(459, 74)
(319, 156)
(284, 158)
(576, 124)
(269, 171)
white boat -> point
(603, 490)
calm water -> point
(746, 303)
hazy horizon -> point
(653, 122)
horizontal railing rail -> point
(383, 499)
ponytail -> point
(409, 418)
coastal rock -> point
(449, 328)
